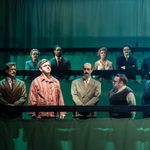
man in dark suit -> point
(59, 64)
(146, 68)
(86, 91)
(127, 63)
(12, 92)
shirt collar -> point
(122, 88)
(88, 80)
(10, 79)
(57, 58)
(42, 78)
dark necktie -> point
(12, 83)
(58, 61)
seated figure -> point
(33, 63)
(103, 63)
(59, 64)
(127, 63)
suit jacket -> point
(83, 95)
(16, 96)
(145, 67)
(130, 65)
(65, 65)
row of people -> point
(58, 62)
(124, 62)
(45, 90)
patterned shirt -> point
(45, 92)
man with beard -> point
(12, 92)
(59, 64)
(85, 91)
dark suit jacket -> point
(145, 67)
(65, 65)
(16, 96)
(130, 65)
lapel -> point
(81, 84)
(62, 62)
(90, 85)
(55, 62)
(84, 89)
(15, 86)
(7, 86)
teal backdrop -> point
(74, 23)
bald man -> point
(85, 91)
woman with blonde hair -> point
(103, 63)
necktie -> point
(58, 61)
(12, 83)
(86, 83)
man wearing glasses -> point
(121, 94)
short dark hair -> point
(57, 46)
(122, 77)
(9, 64)
(102, 49)
(42, 61)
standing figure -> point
(12, 91)
(127, 62)
(121, 94)
(85, 91)
(59, 64)
(45, 91)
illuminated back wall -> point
(74, 23)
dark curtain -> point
(74, 23)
